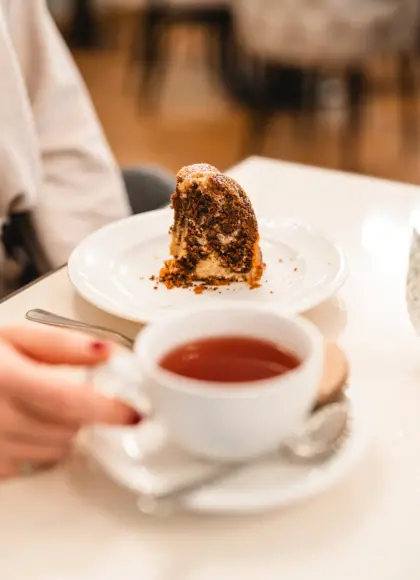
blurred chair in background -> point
(154, 21)
(84, 28)
(318, 39)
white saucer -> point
(112, 269)
(145, 461)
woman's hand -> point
(39, 413)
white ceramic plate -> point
(145, 461)
(112, 269)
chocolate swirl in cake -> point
(215, 232)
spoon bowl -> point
(321, 435)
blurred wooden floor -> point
(195, 122)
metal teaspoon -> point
(45, 317)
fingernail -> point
(98, 346)
(135, 419)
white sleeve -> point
(81, 188)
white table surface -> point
(72, 524)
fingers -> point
(56, 345)
(18, 424)
(8, 469)
(57, 400)
(16, 452)
(40, 413)
(23, 440)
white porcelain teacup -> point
(222, 422)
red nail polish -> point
(135, 419)
(98, 346)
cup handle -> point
(122, 378)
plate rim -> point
(359, 439)
(307, 304)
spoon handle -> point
(51, 319)
(214, 476)
(168, 501)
